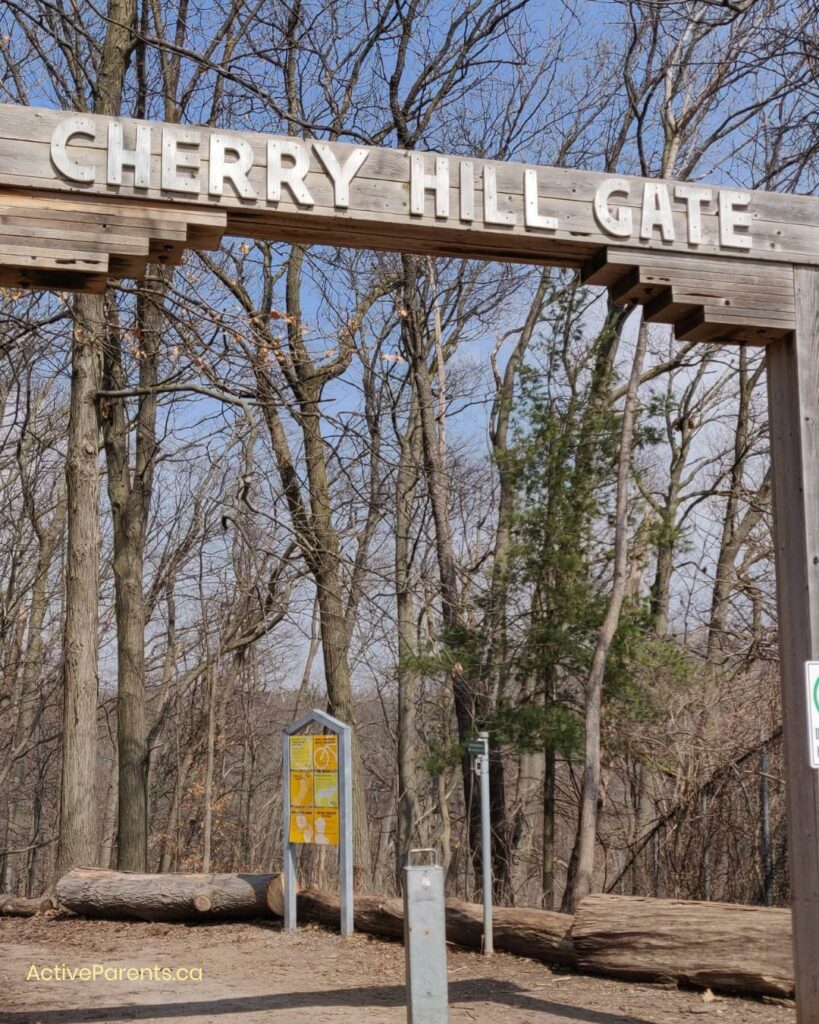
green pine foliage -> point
(563, 458)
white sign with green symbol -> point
(812, 682)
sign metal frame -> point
(345, 818)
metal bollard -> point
(425, 941)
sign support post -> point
(317, 805)
(479, 749)
(793, 407)
(288, 848)
(345, 852)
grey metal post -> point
(425, 942)
(345, 824)
(486, 848)
(288, 852)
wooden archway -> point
(87, 199)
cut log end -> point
(275, 896)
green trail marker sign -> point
(812, 681)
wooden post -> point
(793, 403)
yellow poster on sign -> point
(301, 753)
(325, 789)
(325, 753)
(313, 791)
(302, 828)
(301, 790)
(325, 826)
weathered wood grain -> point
(793, 403)
(539, 934)
(714, 945)
(59, 242)
(707, 291)
(37, 124)
(782, 227)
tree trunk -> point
(408, 676)
(334, 645)
(170, 845)
(78, 833)
(661, 586)
(11, 644)
(715, 945)
(494, 663)
(132, 831)
(109, 822)
(413, 334)
(685, 424)
(19, 818)
(130, 500)
(143, 897)
(313, 528)
(540, 934)
(78, 826)
(210, 750)
(34, 882)
(765, 851)
(548, 856)
(735, 532)
(580, 884)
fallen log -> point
(177, 897)
(373, 915)
(723, 946)
(539, 934)
(24, 906)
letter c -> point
(62, 161)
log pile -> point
(722, 946)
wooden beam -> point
(793, 404)
(480, 205)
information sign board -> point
(317, 803)
(313, 785)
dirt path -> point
(254, 973)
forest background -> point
(430, 495)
